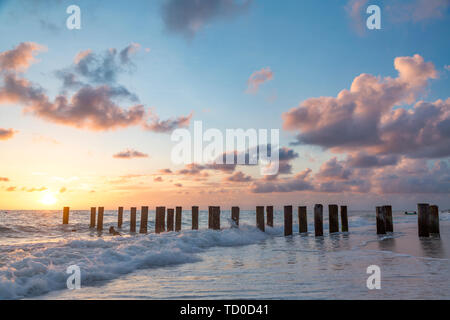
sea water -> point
(244, 263)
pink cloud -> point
(6, 134)
(19, 58)
(257, 78)
(130, 154)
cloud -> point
(333, 170)
(158, 179)
(11, 189)
(62, 190)
(165, 171)
(128, 51)
(167, 126)
(356, 9)
(35, 189)
(257, 78)
(3, 179)
(238, 177)
(6, 134)
(369, 116)
(130, 154)
(19, 58)
(187, 17)
(300, 182)
(417, 10)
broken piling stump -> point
(235, 216)
(287, 220)
(389, 220)
(302, 220)
(160, 219)
(333, 218)
(318, 220)
(434, 220)
(260, 218)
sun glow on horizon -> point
(48, 198)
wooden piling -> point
(101, 210)
(269, 212)
(302, 220)
(388, 216)
(287, 220)
(133, 219)
(216, 218)
(381, 221)
(160, 219)
(210, 217)
(178, 219)
(434, 220)
(144, 220)
(318, 220)
(170, 219)
(423, 211)
(66, 211)
(260, 218)
(120, 218)
(235, 216)
(333, 218)
(93, 217)
(344, 219)
(194, 218)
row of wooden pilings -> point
(428, 219)
(174, 218)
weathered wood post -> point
(66, 215)
(381, 221)
(133, 219)
(318, 220)
(93, 217)
(170, 219)
(178, 219)
(423, 211)
(195, 218)
(333, 218)
(210, 217)
(269, 211)
(388, 216)
(344, 219)
(302, 220)
(160, 219)
(260, 218)
(235, 216)
(101, 210)
(287, 220)
(434, 220)
(120, 218)
(144, 220)
(216, 218)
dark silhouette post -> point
(133, 219)
(318, 220)
(287, 220)
(381, 221)
(302, 220)
(333, 218)
(178, 218)
(144, 220)
(160, 219)
(388, 216)
(434, 220)
(269, 211)
(216, 218)
(235, 216)
(423, 211)
(260, 218)
(194, 218)
(170, 219)
(344, 219)
(120, 218)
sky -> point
(86, 115)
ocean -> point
(245, 263)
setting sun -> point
(48, 199)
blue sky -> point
(313, 49)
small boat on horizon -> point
(410, 213)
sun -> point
(48, 199)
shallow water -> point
(244, 263)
